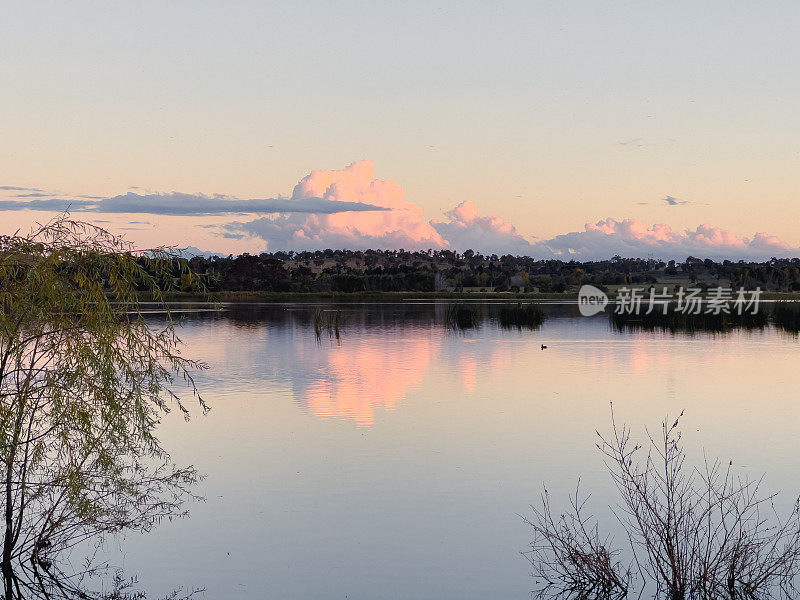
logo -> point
(688, 301)
(591, 300)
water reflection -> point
(385, 351)
(394, 463)
(356, 378)
(381, 355)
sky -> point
(572, 129)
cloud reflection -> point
(364, 375)
(385, 353)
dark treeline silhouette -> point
(346, 271)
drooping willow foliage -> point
(84, 381)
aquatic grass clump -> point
(675, 320)
(327, 321)
(521, 315)
(461, 316)
(786, 315)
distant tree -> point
(400, 270)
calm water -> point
(396, 462)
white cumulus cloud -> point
(400, 225)
(631, 237)
(465, 229)
(351, 208)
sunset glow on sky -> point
(551, 129)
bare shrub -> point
(696, 534)
(570, 559)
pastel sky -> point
(546, 128)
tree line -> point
(348, 271)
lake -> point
(398, 460)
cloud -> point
(192, 251)
(631, 237)
(462, 228)
(398, 223)
(14, 188)
(180, 204)
(44, 204)
(351, 208)
(189, 205)
(465, 229)
(642, 142)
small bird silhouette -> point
(544, 347)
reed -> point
(684, 321)
(461, 316)
(327, 321)
(786, 315)
(521, 315)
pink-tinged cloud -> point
(765, 241)
(633, 229)
(631, 237)
(466, 229)
(402, 225)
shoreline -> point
(378, 297)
